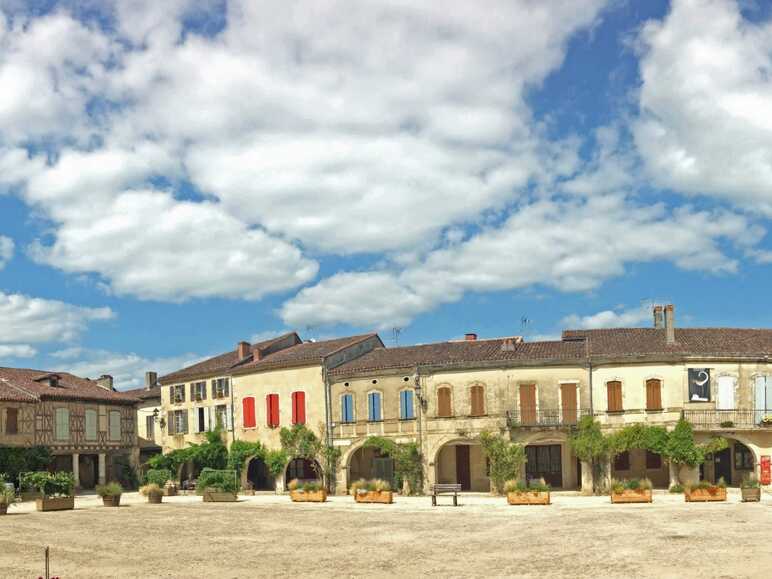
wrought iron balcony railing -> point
(554, 417)
(702, 419)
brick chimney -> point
(242, 349)
(151, 378)
(470, 337)
(105, 381)
(659, 318)
(670, 324)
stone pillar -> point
(689, 474)
(76, 469)
(586, 478)
(102, 468)
(280, 484)
(673, 474)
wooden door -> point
(463, 470)
(527, 404)
(722, 465)
(568, 403)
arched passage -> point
(369, 463)
(462, 462)
(259, 476)
(641, 463)
(735, 463)
(302, 469)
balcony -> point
(545, 418)
(728, 419)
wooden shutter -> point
(248, 417)
(406, 405)
(528, 403)
(170, 422)
(477, 394)
(570, 407)
(653, 395)
(272, 410)
(444, 408)
(298, 408)
(614, 391)
(12, 421)
(347, 408)
(185, 425)
(268, 415)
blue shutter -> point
(374, 406)
(347, 404)
(407, 404)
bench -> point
(445, 489)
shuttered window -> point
(272, 410)
(12, 421)
(220, 388)
(374, 406)
(477, 394)
(62, 427)
(444, 408)
(150, 427)
(528, 404)
(406, 405)
(653, 395)
(91, 424)
(298, 408)
(614, 391)
(115, 425)
(653, 460)
(347, 408)
(249, 419)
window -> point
(614, 393)
(653, 460)
(198, 391)
(743, 457)
(477, 394)
(298, 408)
(12, 421)
(150, 427)
(249, 417)
(374, 406)
(202, 414)
(699, 384)
(220, 388)
(221, 416)
(347, 408)
(178, 394)
(272, 410)
(62, 424)
(653, 395)
(622, 461)
(178, 422)
(444, 407)
(406, 405)
(91, 424)
(115, 425)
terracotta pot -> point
(55, 504)
(308, 496)
(529, 498)
(112, 501)
(217, 497)
(751, 495)
(710, 494)
(382, 497)
(155, 499)
(632, 496)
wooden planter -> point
(529, 498)
(112, 501)
(55, 504)
(710, 494)
(751, 495)
(632, 496)
(217, 497)
(30, 495)
(170, 490)
(382, 497)
(308, 496)
(3, 509)
(155, 499)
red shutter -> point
(298, 408)
(249, 412)
(272, 410)
(268, 416)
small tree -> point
(506, 459)
(682, 450)
(408, 463)
(590, 445)
(300, 442)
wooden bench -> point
(445, 489)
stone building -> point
(89, 428)
(150, 435)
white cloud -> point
(9, 351)
(705, 102)
(616, 318)
(34, 320)
(6, 250)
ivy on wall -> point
(506, 459)
(408, 462)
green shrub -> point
(60, 484)
(519, 486)
(408, 464)
(721, 483)
(158, 476)
(374, 485)
(7, 495)
(221, 481)
(750, 482)
(505, 458)
(311, 486)
(633, 484)
(676, 489)
(111, 489)
(151, 489)
(17, 460)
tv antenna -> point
(395, 333)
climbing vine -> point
(506, 459)
(408, 463)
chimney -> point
(470, 337)
(670, 324)
(105, 381)
(243, 350)
(151, 378)
(659, 318)
(508, 345)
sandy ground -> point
(267, 535)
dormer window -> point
(50, 380)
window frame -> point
(175, 398)
(472, 389)
(220, 388)
(111, 425)
(244, 424)
(621, 408)
(402, 413)
(449, 389)
(269, 415)
(370, 394)
(659, 393)
(59, 411)
(95, 414)
(353, 417)
(7, 428)
(297, 416)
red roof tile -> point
(21, 384)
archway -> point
(734, 464)
(641, 463)
(87, 469)
(302, 469)
(462, 462)
(259, 476)
(368, 463)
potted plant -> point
(631, 491)
(309, 492)
(372, 491)
(217, 486)
(110, 493)
(161, 477)
(704, 491)
(153, 492)
(56, 490)
(676, 489)
(7, 497)
(750, 489)
(537, 492)
(27, 492)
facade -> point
(150, 435)
(89, 428)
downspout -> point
(233, 415)
(418, 386)
(328, 421)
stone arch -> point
(255, 472)
(465, 466)
(303, 469)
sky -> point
(178, 176)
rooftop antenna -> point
(524, 324)
(395, 332)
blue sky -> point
(179, 176)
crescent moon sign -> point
(703, 378)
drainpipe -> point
(233, 416)
(420, 417)
(328, 420)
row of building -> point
(440, 396)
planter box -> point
(170, 491)
(751, 495)
(705, 495)
(30, 495)
(113, 501)
(382, 497)
(308, 497)
(55, 504)
(215, 497)
(155, 499)
(632, 496)
(529, 498)
(3, 509)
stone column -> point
(102, 468)
(586, 478)
(76, 469)
(673, 474)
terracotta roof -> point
(145, 393)
(21, 384)
(223, 363)
(463, 352)
(636, 342)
